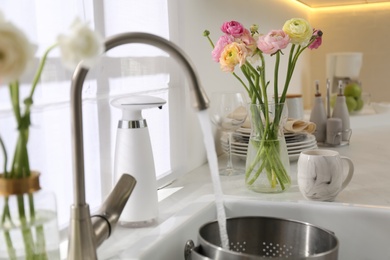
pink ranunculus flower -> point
(248, 40)
(233, 28)
(273, 41)
(318, 41)
(234, 54)
(220, 46)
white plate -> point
(303, 149)
(293, 134)
(244, 130)
(243, 153)
(224, 140)
(309, 139)
(236, 144)
(237, 149)
(242, 156)
(300, 147)
(295, 139)
(294, 149)
(241, 139)
(292, 157)
(236, 152)
(240, 135)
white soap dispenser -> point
(133, 155)
(318, 116)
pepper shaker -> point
(341, 111)
(318, 115)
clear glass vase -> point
(29, 226)
(267, 164)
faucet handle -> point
(106, 218)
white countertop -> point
(369, 149)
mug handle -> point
(350, 171)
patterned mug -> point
(321, 174)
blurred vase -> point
(267, 163)
(28, 224)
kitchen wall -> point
(363, 28)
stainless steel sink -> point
(363, 231)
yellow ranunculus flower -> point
(299, 30)
(233, 54)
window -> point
(124, 70)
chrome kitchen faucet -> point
(86, 233)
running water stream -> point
(208, 139)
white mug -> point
(321, 174)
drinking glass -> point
(228, 112)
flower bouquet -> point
(23, 231)
(267, 159)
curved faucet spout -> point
(82, 238)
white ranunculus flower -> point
(16, 52)
(81, 44)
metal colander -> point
(253, 238)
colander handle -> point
(191, 252)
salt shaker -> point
(318, 115)
(334, 131)
(341, 111)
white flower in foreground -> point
(81, 44)
(16, 52)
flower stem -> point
(10, 248)
(40, 69)
(210, 41)
(265, 144)
(4, 150)
(268, 156)
(251, 91)
(14, 93)
(242, 82)
(276, 77)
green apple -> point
(332, 100)
(353, 90)
(359, 104)
(351, 103)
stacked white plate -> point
(296, 143)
